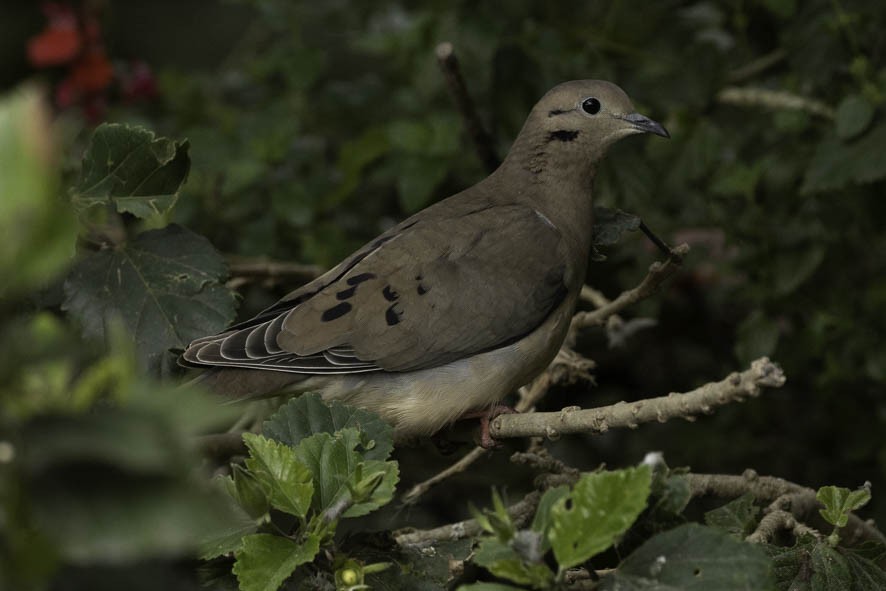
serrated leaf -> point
(265, 561)
(854, 115)
(600, 507)
(839, 502)
(866, 575)
(611, 224)
(165, 286)
(132, 168)
(308, 415)
(672, 492)
(38, 234)
(229, 538)
(692, 557)
(737, 518)
(829, 569)
(334, 465)
(503, 561)
(286, 480)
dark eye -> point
(591, 106)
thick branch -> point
(762, 373)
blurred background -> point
(314, 126)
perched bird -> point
(455, 307)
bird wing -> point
(429, 292)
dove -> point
(456, 306)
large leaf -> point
(308, 415)
(600, 507)
(133, 169)
(693, 558)
(737, 517)
(38, 231)
(338, 469)
(164, 286)
(264, 561)
(286, 480)
(836, 165)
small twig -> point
(658, 274)
(521, 513)
(466, 108)
(762, 373)
(413, 494)
(658, 242)
(246, 268)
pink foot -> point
(487, 441)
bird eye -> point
(591, 106)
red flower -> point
(60, 41)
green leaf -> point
(671, 492)
(854, 115)
(132, 168)
(308, 415)
(866, 575)
(611, 224)
(836, 165)
(839, 502)
(737, 518)
(692, 557)
(543, 519)
(265, 561)
(248, 491)
(285, 479)
(503, 561)
(38, 232)
(229, 538)
(829, 569)
(600, 507)
(335, 466)
(165, 286)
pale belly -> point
(422, 402)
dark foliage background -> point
(314, 126)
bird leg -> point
(487, 441)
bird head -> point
(576, 122)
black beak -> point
(646, 125)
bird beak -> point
(646, 125)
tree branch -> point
(466, 108)
(799, 500)
(762, 374)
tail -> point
(244, 384)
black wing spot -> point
(358, 279)
(422, 290)
(346, 293)
(390, 294)
(336, 311)
(563, 135)
(392, 317)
